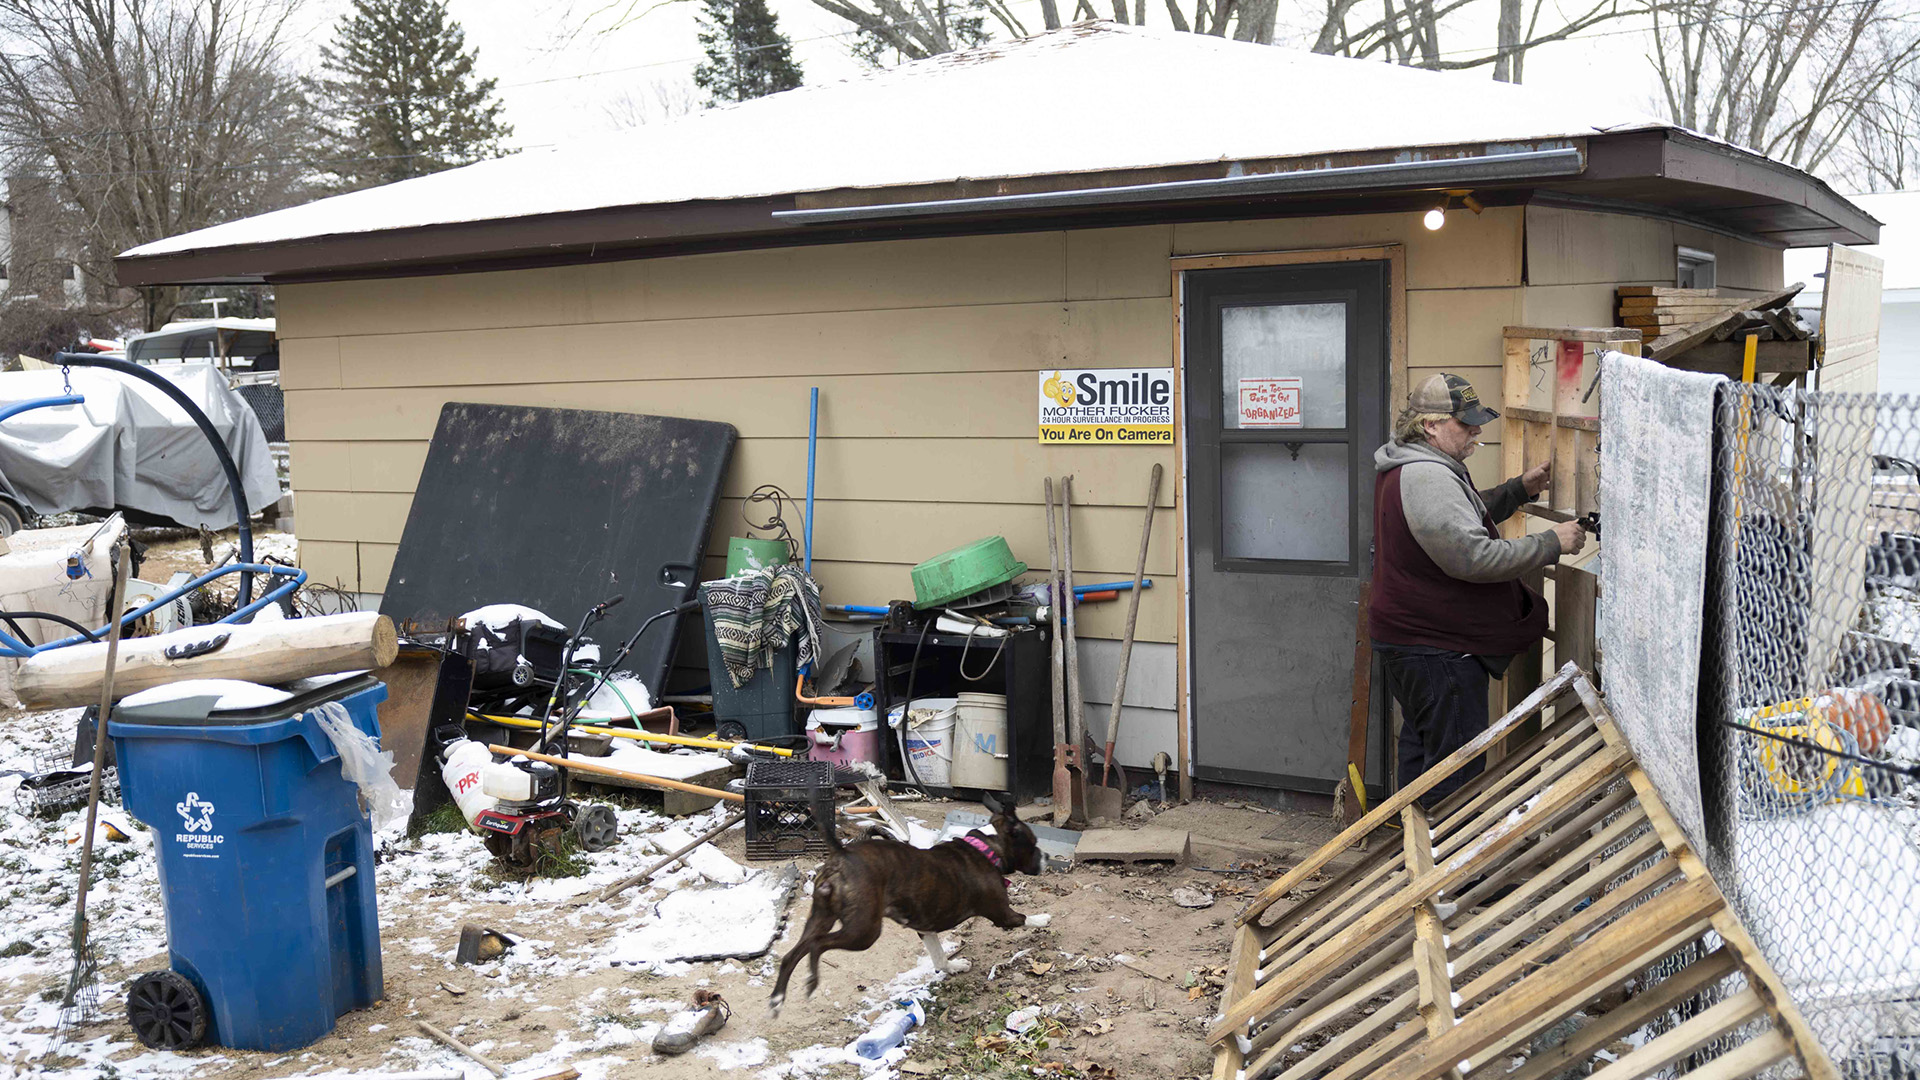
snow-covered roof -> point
(1899, 246)
(1084, 99)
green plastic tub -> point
(960, 573)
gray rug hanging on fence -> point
(1656, 472)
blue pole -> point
(813, 437)
(1111, 586)
(39, 403)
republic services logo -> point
(197, 815)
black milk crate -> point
(789, 808)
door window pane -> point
(1276, 507)
(1303, 341)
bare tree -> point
(148, 118)
(1882, 152)
(1402, 32)
(1792, 79)
(661, 99)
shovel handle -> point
(1133, 618)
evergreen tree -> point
(747, 55)
(401, 96)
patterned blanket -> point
(757, 613)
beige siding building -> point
(926, 345)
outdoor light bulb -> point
(1435, 218)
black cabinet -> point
(949, 665)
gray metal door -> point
(1285, 386)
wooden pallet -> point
(1549, 413)
(1611, 925)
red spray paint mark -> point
(1571, 354)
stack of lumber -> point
(1654, 310)
(1706, 331)
(1657, 312)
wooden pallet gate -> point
(1554, 887)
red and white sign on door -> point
(1270, 402)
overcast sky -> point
(565, 75)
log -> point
(261, 652)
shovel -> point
(1104, 800)
(1064, 795)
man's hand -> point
(1572, 536)
(1535, 480)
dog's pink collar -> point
(985, 849)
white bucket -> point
(929, 739)
(981, 749)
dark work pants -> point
(1443, 705)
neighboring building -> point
(1899, 248)
(34, 262)
(926, 244)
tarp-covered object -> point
(129, 447)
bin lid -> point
(856, 719)
(199, 709)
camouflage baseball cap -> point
(1454, 396)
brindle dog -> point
(931, 891)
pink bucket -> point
(844, 736)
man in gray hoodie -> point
(1448, 609)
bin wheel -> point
(731, 731)
(166, 1011)
(596, 828)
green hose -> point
(632, 714)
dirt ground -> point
(1125, 978)
(168, 551)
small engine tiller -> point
(535, 808)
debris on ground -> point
(555, 1001)
(1192, 898)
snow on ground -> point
(279, 546)
(559, 970)
(39, 874)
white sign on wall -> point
(1270, 402)
(1106, 406)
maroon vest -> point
(1416, 603)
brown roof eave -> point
(1755, 196)
(553, 237)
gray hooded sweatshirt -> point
(1444, 513)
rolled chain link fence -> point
(1810, 705)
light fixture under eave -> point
(1436, 217)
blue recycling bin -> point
(266, 866)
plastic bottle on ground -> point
(890, 1030)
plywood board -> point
(1576, 247)
(1850, 341)
(1850, 322)
(560, 510)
